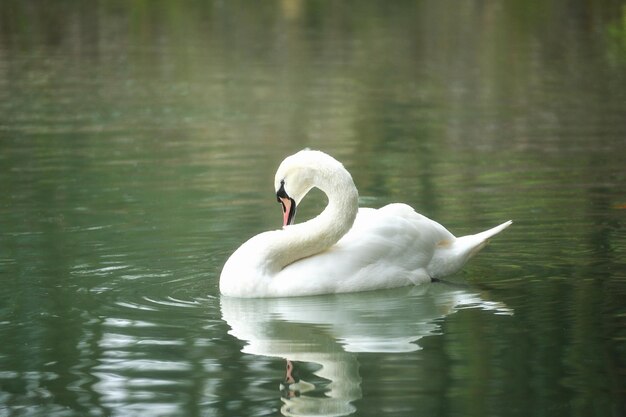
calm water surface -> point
(138, 143)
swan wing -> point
(385, 248)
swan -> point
(345, 248)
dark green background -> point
(138, 143)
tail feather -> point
(495, 230)
(487, 234)
(472, 244)
(450, 258)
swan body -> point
(345, 248)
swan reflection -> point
(328, 330)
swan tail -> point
(479, 240)
(451, 256)
(472, 244)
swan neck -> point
(320, 233)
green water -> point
(138, 144)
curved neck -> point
(320, 233)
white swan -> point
(344, 249)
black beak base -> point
(288, 203)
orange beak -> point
(289, 210)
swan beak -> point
(288, 203)
(289, 210)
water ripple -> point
(172, 302)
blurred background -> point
(138, 144)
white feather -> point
(344, 249)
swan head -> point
(299, 173)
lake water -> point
(138, 144)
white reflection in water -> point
(131, 381)
(329, 330)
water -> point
(138, 143)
